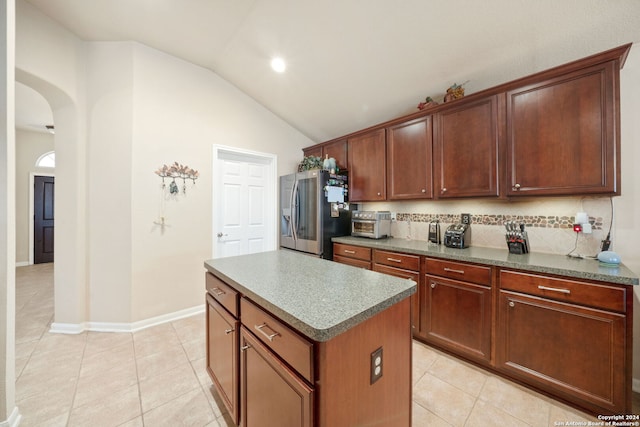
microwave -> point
(371, 224)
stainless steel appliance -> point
(457, 236)
(372, 224)
(313, 208)
(434, 232)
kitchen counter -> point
(319, 298)
(589, 269)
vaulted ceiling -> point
(355, 63)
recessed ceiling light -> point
(278, 65)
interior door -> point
(244, 203)
(43, 220)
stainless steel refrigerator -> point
(314, 208)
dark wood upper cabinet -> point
(367, 166)
(561, 134)
(409, 151)
(336, 149)
(552, 133)
(466, 148)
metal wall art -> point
(177, 171)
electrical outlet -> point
(465, 218)
(376, 365)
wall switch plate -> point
(465, 218)
(376, 365)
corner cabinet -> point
(562, 134)
(409, 151)
(336, 149)
(367, 166)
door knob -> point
(220, 234)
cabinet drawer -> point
(291, 347)
(459, 271)
(353, 262)
(394, 259)
(352, 251)
(223, 293)
(589, 294)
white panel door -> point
(244, 204)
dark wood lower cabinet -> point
(458, 317)
(222, 354)
(575, 352)
(272, 394)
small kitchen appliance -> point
(434, 232)
(371, 224)
(517, 239)
(457, 236)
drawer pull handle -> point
(270, 337)
(347, 251)
(218, 291)
(562, 291)
(245, 347)
(394, 260)
(451, 270)
(512, 304)
(228, 331)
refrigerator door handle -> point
(294, 210)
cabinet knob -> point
(379, 194)
(424, 191)
(444, 190)
(245, 347)
(516, 187)
(228, 331)
(433, 286)
(512, 304)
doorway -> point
(43, 218)
(244, 202)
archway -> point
(70, 201)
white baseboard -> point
(13, 420)
(77, 328)
(635, 385)
(22, 264)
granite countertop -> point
(319, 298)
(589, 269)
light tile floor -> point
(157, 377)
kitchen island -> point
(294, 340)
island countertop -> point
(319, 298)
(588, 269)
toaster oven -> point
(371, 224)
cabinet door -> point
(415, 298)
(467, 149)
(316, 150)
(337, 150)
(561, 135)
(409, 151)
(577, 353)
(272, 394)
(222, 354)
(458, 317)
(367, 158)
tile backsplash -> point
(548, 222)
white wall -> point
(8, 411)
(143, 109)
(30, 146)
